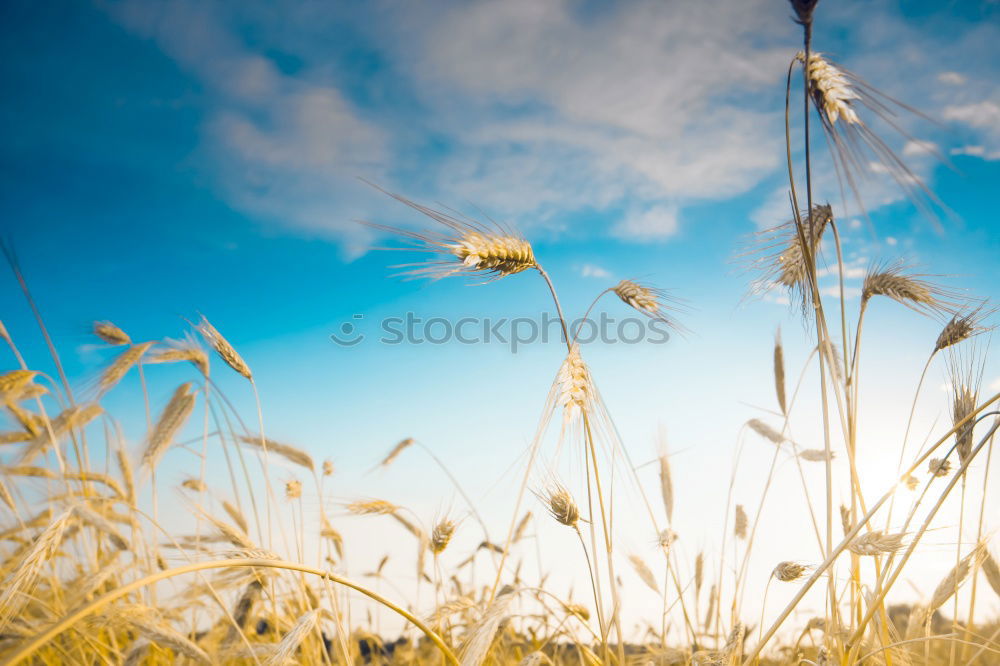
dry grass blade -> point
(289, 453)
(222, 347)
(173, 417)
(643, 571)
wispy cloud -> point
(592, 271)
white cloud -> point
(951, 78)
(850, 293)
(590, 270)
(891, 241)
(995, 385)
(656, 223)
(976, 151)
(915, 148)
(979, 114)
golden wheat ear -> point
(466, 247)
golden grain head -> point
(894, 281)
(441, 535)
(372, 507)
(961, 327)
(833, 92)
(787, 572)
(222, 347)
(111, 334)
(650, 301)
(293, 489)
(575, 392)
(877, 542)
(740, 523)
(561, 505)
(327, 468)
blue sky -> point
(161, 159)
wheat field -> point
(102, 562)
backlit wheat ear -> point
(396, 450)
(576, 392)
(473, 248)
(144, 620)
(963, 404)
(845, 520)
(120, 366)
(779, 372)
(372, 507)
(328, 468)
(911, 482)
(222, 347)
(833, 92)
(186, 350)
(991, 572)
(13, 382)
(666, 482)
(816, 455)
(699, 572)
(173, 417)
(480, 637)
(949, 584)
(650, 301)
(22, 578)
(561, 505)
(69, 419)
(291, 641)
(665, 539)
(877, 543)
(766, 431)
(293, 489)
(781, 259)
(787, 572)
(194, 484)
(909, 289)
(740, 523)
(441, 535)
(286, 451)
(644, 572)
(111, 334)
(961, 327)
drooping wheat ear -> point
(650, 301)
(74, 417)
(766, 431)
(156, 631)
(938, 466)
(396, 450)
(644, 572)
(909, 289)
(291, 641)
(120, 366)
(561, 505)
(962, 327)
(111, 334)
(576, 392)
(90, 517)
(779, 257)
(441, 535)
(372, 507)
(832, 91)
(293, 489)
(480, 637)
(327, 468)
(182, 350)
(949, 584)
(286, 451)
(779, 372)
(173, 417)
(816, 455)
(877, 543)
(699, 572)
(194, 484)
(17, 586)
(13, 383)
(787, 572)
(222, 347)
(991, 571)
(480, 249)
(740, 523)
